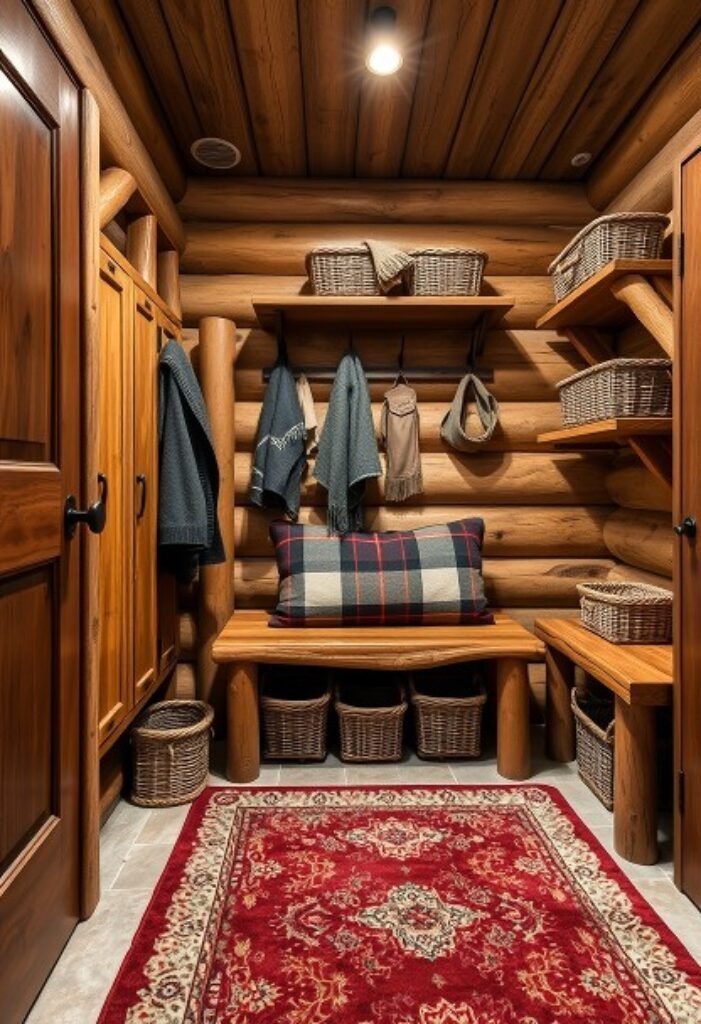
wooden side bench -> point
(247, 641)
(640, 677)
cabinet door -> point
(144, 483)
(687, 502)
(114, 461)
(167, 590)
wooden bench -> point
(640, 677)
(247, 641)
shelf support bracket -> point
(649, 307)
(656, 454)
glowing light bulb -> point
(384, 60)
(383, 56)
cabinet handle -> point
(141, 481)
(94, 516)
(687, 527)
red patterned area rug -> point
(461, 905)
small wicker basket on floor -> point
(630, 236)
(448, 716)
(627, 613)
(170, 747)
(342, 270)
(371, 720)
(616, 389)
(446, 271)
(595, 750)
(295, 726)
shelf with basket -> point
(605, 432)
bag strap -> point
(452, 430)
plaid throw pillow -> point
(431, 576)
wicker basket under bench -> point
(448, 706)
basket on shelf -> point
(448, 715)
(629, 236)
(615, 389)
(446, 271)
(371, 719)
(170, 748)
(342, 270)
(627, 613)
(295, 712)
(595, 739)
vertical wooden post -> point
(169, 280)
(90, 543)
(559, 720)
(217, 356)
(513, 719)
(635, 783)
(142, 246)
(243, 739)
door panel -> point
(167, 589)
(114, 461)
(688, 502)
(145, 494)
(39, 466)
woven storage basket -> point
(446, 271)
(595, 750)
(295, 725)
(170, 747)
(448, 716)
(627, 613)
(371, 720)
(616, 389)
(342, 270)
(625, 236)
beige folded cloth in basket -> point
(390, 263)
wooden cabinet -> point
(137, 618)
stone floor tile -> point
(143, 866)
(163, 824)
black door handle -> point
(687, 527)
(94, 516)
(141, 480)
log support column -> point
(142, 246)
(559, 720)
(513, 719)
(635, 783)
(243, 732)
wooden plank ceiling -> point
(499, 89)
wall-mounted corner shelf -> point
(620, 293)
(442, 312)
(606, 432)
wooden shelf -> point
(593, 303)
(404, 312)
(608, 431)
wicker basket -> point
(616, 389)
(628, 236)
(449, 716)
(446, 271)
(344, 270)
(170, 745)
(295, 713)
(371, 720)
(627, 613)
(595, 748)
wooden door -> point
(167, 590)
(144, 482)
(40, 374)
(114, 444)
(687, 503)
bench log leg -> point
(513, 719)
(243, 735)
(635, 783)
(559, 720)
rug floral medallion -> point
(462, 905)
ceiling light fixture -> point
(580, 159)
(383, 56)
(216, 154)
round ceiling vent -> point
(217, 154)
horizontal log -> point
(498, 479)
(230, 295)
(518, 429)
(641, 539)
(282, 248)
(120, 142)
(631, 485)
(631, 574)
(525, 531)
(354, 200)
(520, 582)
